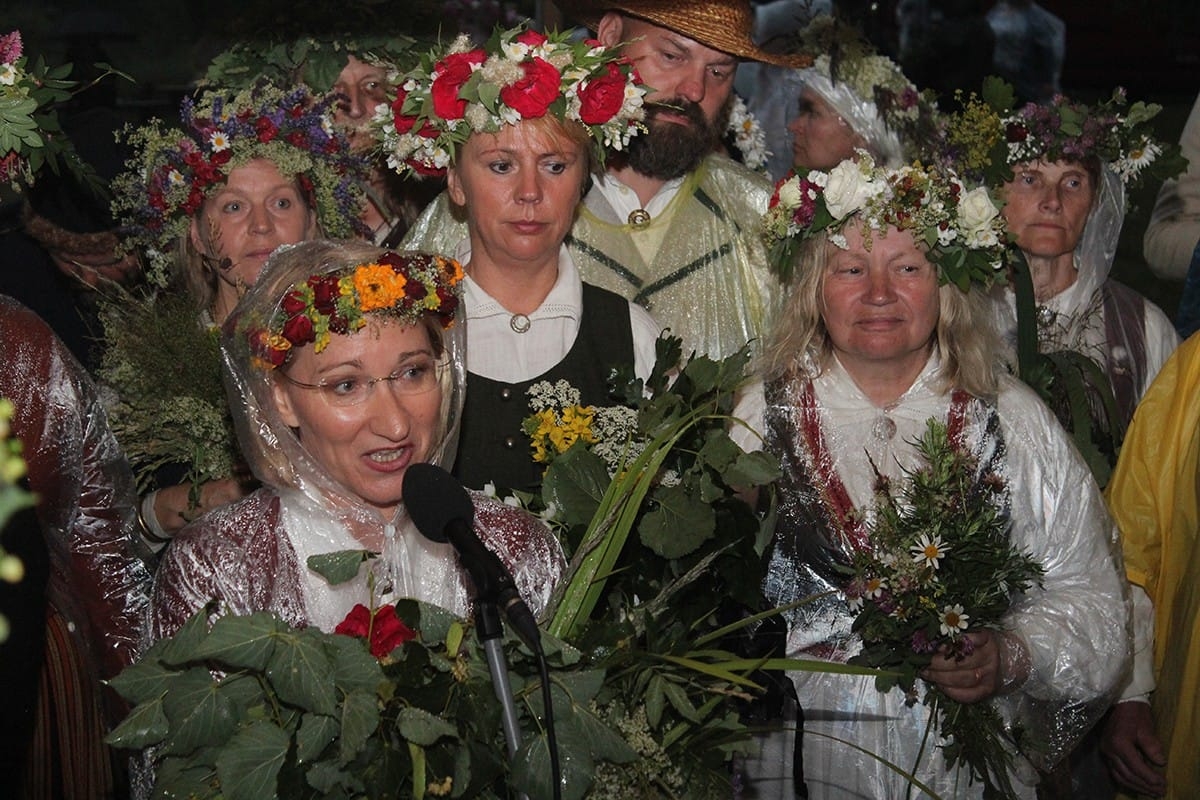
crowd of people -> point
(356, 254)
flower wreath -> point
(519, 74)
(962, 229)
(987, 137)
(174, 170)
(399, 285)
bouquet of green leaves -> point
(643, 685)
(941, 565)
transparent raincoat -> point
(251, 555)
(98, 578)
(1075, 627)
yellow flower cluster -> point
(556, 432)
(378, 286)
(975, 132)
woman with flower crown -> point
(349, 369)
(854, 99)
(1065, 202)
(884, 329)
(204, 205)
(517, 125)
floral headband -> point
(174, 170)
(987, 138)
(30, 135)
(519, 74)
(399, 285)
(962, 229)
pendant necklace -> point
(519, 323)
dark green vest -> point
(491, 445)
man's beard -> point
(669, 150)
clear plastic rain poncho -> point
(99, 580)
(860, 113)
(1074, 628)
(1096, 316)
(252, 554)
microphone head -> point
(433, 498)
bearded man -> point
(671, 223)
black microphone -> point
(443, 512)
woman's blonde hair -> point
(799, 346)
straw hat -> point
(725, 25)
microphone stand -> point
(491, 633)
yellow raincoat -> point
(1155, 497)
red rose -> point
(299, 330)
(298, 140)
(221, 158)
(325, 292)
(293, 302)
(601, 98)
(531, 38)
(1017, 132)
(388, 632)
(415, 290)
(452, 72)
(533, 94)
(356, 623)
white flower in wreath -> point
(848, 189)
(789, 193)
(977, 217)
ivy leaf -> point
(244, 642)
(339, 566)
(678, 525)
(353, 667)
(360, 719)
(248, 767)
(143, 681)
(145, 725)
(315, 733)
(422, 728)
(198, 712)
(300, 671)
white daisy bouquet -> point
(942, 565)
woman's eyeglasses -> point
(417, 376)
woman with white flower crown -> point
(203, 205)
(855, 99)
(884, 329)
(518, 125)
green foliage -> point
(165, 367)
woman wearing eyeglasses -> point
(346, 369)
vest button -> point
(510, 442)
(506, 393)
